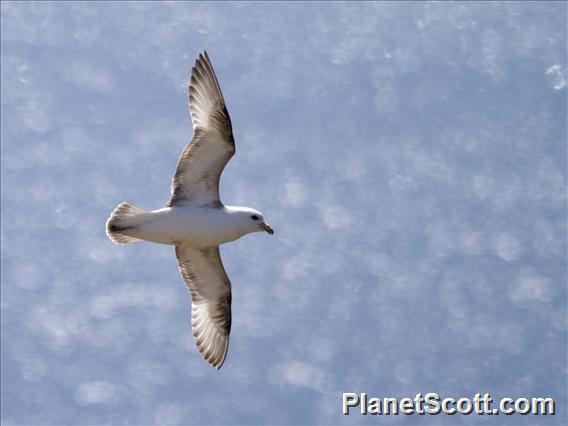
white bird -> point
(194, 220)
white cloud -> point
(557, 76)
(299, 373)
(32, 369)
(145, 376)
(532, 290)
(35, 115)
(508, 247)
(133, 295)
(96, 392)
(59, 329)
(322, 349)
(473, 242)
(335, 216)
(297, 268)
(559, 320)
(28, 276)
(170, 414)
(295, 194)
(89, 76)
(405, 372)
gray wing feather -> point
(203, 159)
(210, 289)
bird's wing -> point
(212, 146)
(210, 290)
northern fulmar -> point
(195, 220)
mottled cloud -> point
(411, 157)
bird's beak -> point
(266, 228)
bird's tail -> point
(124, 220)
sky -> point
(411, 158)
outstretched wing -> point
(203, 159)
(210, 288)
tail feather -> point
(125, 217)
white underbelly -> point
(179, 229)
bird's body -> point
(195, 220)
(195, 225)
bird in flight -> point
(195, 220)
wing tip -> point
(206, 345)
(221, 361)
(202, 57)
(215, 357)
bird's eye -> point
(254, 217)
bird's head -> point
(254, 221)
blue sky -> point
(410, 156)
